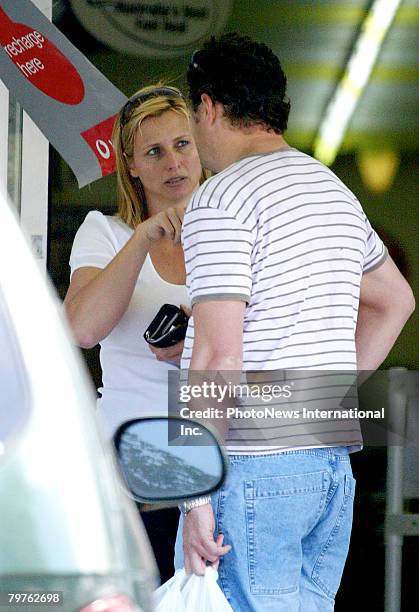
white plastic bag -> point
(168, 597)
(202, 593)
(192, 593)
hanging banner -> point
(70, 101)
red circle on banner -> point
(40, 61)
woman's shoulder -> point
(96, 217)
(100, 233)
(97, 220)
(99, 228)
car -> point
(70, 534)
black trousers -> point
(161, 527)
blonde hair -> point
(132, 205)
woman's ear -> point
(133, 172)
(130, 165)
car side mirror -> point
(168, 459)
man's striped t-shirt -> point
(283, 233)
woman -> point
(124, 268)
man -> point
(284, 272)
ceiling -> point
(313, 40)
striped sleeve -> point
(217, 251)
(375, 251)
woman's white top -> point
(134, 381)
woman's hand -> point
(173, 353)
(165, 224)
(186, 310)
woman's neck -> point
(155, 207)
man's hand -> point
(198, 540)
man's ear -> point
(209, 108)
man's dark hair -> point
(243, 75)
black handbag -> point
(168, 327)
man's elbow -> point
(403, 304)
(398, 302)
(410, 302)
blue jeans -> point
(288, 517)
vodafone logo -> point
(99, 140)
(39, 61)
(152, 28)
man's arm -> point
(386, 302)
(218, 346)
(218, 338)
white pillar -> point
(34, 185)
(34, 189)
(4, 137)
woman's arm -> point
(97, 298)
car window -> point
(14, 386)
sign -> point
(70, 101)
(152, 28)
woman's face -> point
(166, 159)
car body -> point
(66, 524)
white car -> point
(69, 534)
